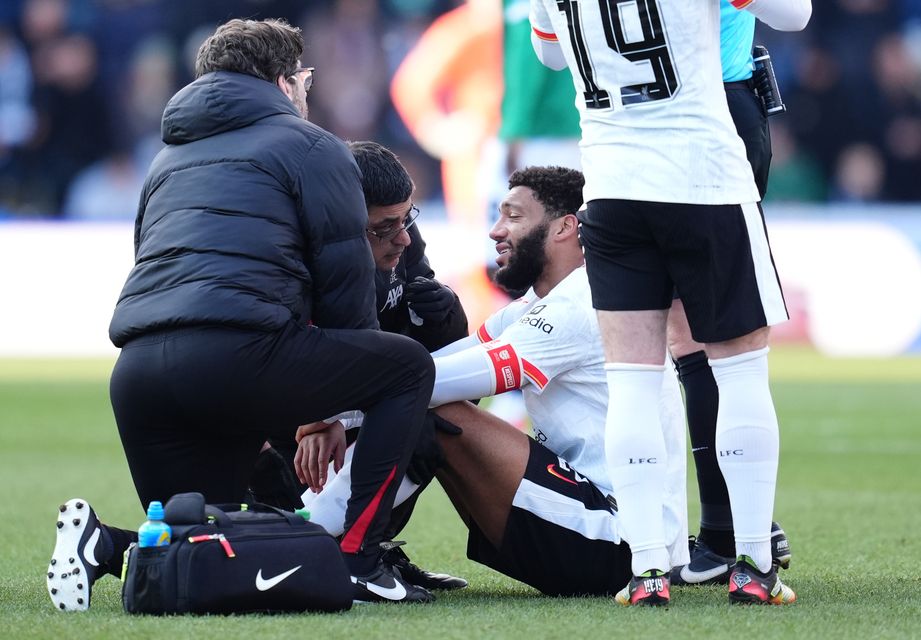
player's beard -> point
(526, 263)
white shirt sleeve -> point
(465, 375)
(479, 366)
(549, 340)
(783, 15)
(457, 345)
(543, 38)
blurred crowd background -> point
(83, 84)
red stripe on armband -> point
(740, 4)
(505, 365)
(483, 335)
(549, 36)
(536, 375)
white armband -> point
(478, 372)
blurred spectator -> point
(106, 190)
(73, 124)
(345, 46)
(795, 175)
(898, 79)
(860, 174)
(17, 118)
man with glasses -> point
(250, 311)
(300, 82)
(409, 300)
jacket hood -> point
(218, 102)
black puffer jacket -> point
(250, 217)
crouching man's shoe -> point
(384, 584)
(396, 557)
(82, 546)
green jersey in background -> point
(538, 102)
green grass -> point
(849, 497)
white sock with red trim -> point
(637, 460)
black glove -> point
(428, 456)
(273, 482)
(429, 299)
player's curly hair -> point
(384, 179)
(266, 49)
(559, 189)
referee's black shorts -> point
(751, 121)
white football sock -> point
(747, 444)
(636, 459)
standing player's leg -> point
(739, 269)
(715, 539)
(714, 546)
(632, 291)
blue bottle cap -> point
(155, 510)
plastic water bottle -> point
(154, 532)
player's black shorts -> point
(751, 123)
(717, 257)
(562, 535)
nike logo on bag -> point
(696, 449)
(396, 592)
(264, 584)
(689, 575)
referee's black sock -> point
(702, 402)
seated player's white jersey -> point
(655, 125)
(561, 374)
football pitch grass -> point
(849, 498)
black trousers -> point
(751, 121)
(194, 407)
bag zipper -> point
(215, 536)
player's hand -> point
(314, 453)
(429, 299)
(313, 427)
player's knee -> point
(754, 341)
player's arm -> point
(783, 15)
(543, 38)
(480, 371)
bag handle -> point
(219, 512)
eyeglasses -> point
(308, 79)
(391, 231)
